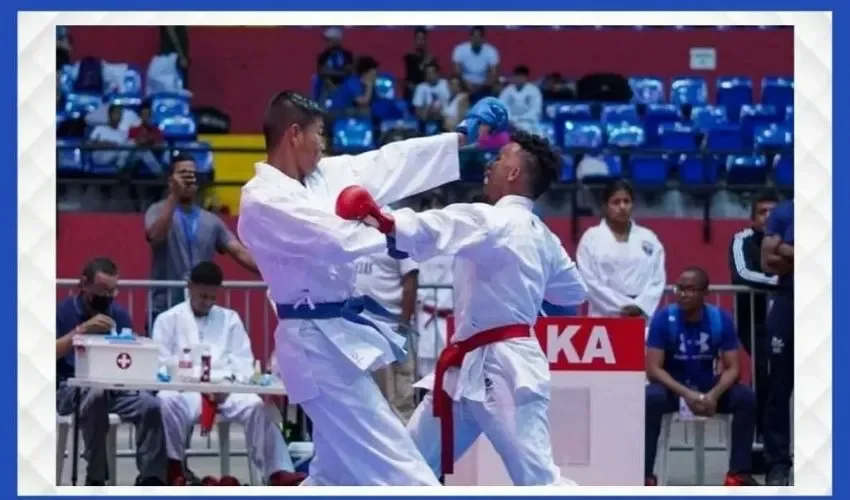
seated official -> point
(684, 341)
(93, 312)
(199, 322)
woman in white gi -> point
(306, 255)
(622, 262)
(199, 323)
(507, 262)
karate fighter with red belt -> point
(493, 377)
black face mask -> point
(99, 304)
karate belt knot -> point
(452, 357)
(350, 310)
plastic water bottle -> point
(185, 371)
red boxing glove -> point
(355, 203)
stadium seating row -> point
(74, 160)
(733, 92)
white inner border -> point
(37, 231)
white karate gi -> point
(617, 273)
(306, 255)
(507, 263)
(223, 333)
(432, 328)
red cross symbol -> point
(123, 361)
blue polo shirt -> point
(345, 94)
(70, 313)
(689, 356)
(781, 223)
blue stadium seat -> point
(583, 135)
(568, 169)
(696, 170)
(615, 169)
(551, 108)
(573, 113)
(79, 105)
(618, 114)
(385, 86)
(352, 135)
(69, 156)
(546, 128)
(66, 80)
(746, 169)
(789, 116)
(647, 90)
(626, 136)
(783, 170)
(733, 93)
(657, 115)
(168, 105)
(724, 138)
(389, 109)
(131, 83)
(690, 91)
(777, 91)
(201, 152)
(410, 124)
(774, 136)
(677, 137)
(433, 127)
(708, 117)
(649, 170)
(178, 128)
(752, 116)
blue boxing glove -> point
(488, 111)
(394, 252)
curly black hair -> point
(544, 161)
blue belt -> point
(350, 310)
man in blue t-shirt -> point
(685, 340)
(777, 257)
(93, 312)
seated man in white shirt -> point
(524, 101)
(199, 324)
(477, 62)
(432, 96)
(110, 135)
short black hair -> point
(206, 273)
(103, 265)
(364, 64)
(147, 103)
(763, 196)
(522, 70)
(285, 109)
(180, 157)
(544, 162)
(701, 274)
(612, 187)
(420, 30)
(113, 107)
(433, 64)
(477, 29)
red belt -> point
(452, 357)
(435, 313)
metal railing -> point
(249, 299)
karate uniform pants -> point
(518, 431)
(266, 446)
(359, 440)
(780, 385)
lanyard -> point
(189, 221)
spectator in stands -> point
(63, 47)
(478, 63)
(110, 135)
(458, 103)
(777, 257)
(751, 308)
(432, 95)
(147, 136)
(685, 340)
(555, 88)
(356, 92)
(524, 101)
(175, 40)
(393, 283)
(93, 312)
(333, 64)
(199, 321)
(182, 234)
(416, 62)
(621, 262)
